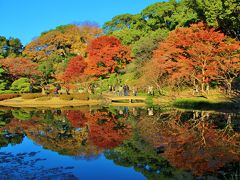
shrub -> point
(20, 85)
(32, 96)
(8, 96)
(80, 96)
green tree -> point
(3, 81)
(11, 47)
(222, 14)
(20, 85)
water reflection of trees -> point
(201, 142)
(69, 132)
(163, 144)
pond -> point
(119, 143)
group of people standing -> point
(122, 90)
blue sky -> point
(26, 19)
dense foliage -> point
(168, 44)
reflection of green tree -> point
(143, 158)
(5, 118)
(22, 114)
(7, 138)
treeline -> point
(186, 43)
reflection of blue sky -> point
(99, 168)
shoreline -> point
(56, 102)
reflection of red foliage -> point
(197, 145)
(201, 151)
(19, 126)
(77, 118)
(105, 131)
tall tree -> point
(11, 47)
(222, 14)
(229, 63)
(106, 55)
(75, 70)
(20, 67)
(64, 41)
(191, 55)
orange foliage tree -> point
(18, 67)
(229, 63)
(191, 55)
(62, 41)
(75, 70)
(106, 55)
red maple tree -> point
(75, 70)
(106, 55)
(192, 55)
(20, 67)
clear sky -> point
(26, 19)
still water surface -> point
(118, 143)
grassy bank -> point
(215, 100)
(184, 100)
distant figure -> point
(30, 88)
(150, 90)
(58, 87)
(125, 89)
(110, 88)
(89, 89)
(120, 89)
(125, 111)
(135, 91)
(55, 91)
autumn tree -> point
(229, 63)
(20, 67)
(61, 42)
(190, 55)
(75, 70)
(106, 55)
